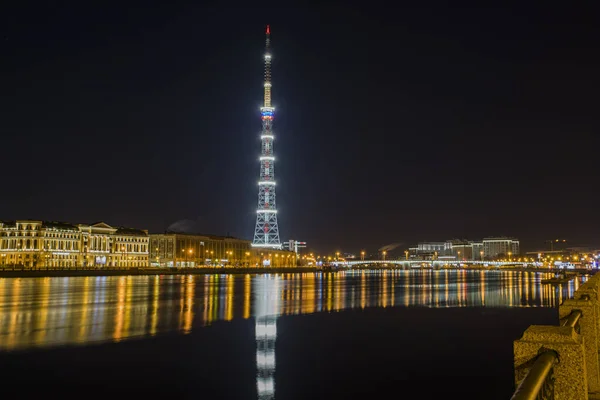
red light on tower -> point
(268, 30)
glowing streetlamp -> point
(384, 253)
(362, 256)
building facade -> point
(431, 247)
(193, 250)
(464, 249)
(495, 246)
(34, 243)
(477, 250)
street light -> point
(384, 253)
(406, 254)
(481, 254)
(362, 256)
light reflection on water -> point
(54, 311)
(44, 312)
(57, 311)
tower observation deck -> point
(266, 231)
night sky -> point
(393, 125)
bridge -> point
(561, 361)
(436, 263)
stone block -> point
(588, 328)
(570, 372)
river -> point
(354, 334)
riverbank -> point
(44, 273)
(482, 268)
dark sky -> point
(393, 125)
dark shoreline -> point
(147, 271)
(205, 271)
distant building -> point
(34, 243)
(431, 247)
(174, 249)
(430, 250)
(462, 249)
(478, 253)
(494, 246)
(465, 249)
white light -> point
(267, 137)
(266, 183)
(267, 109)
(267, 56)
(267, 211)
(267, 84)
(267, 158)
(274, 246)
(265, 361)
(265, 386)
(269, 330)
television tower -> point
(266, 232)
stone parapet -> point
(569, 372)
(575, 341)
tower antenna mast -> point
(266, 231)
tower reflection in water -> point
(266, 311)
(43, 312)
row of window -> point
(33, 244)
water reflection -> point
(266, 306)
(57, 311)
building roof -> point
(130, 232)
(101, 224)
(214, 237)
(59, 225)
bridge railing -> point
(561, 361)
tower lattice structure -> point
(266, 232)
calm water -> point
(355, 334)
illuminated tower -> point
(266, 232)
